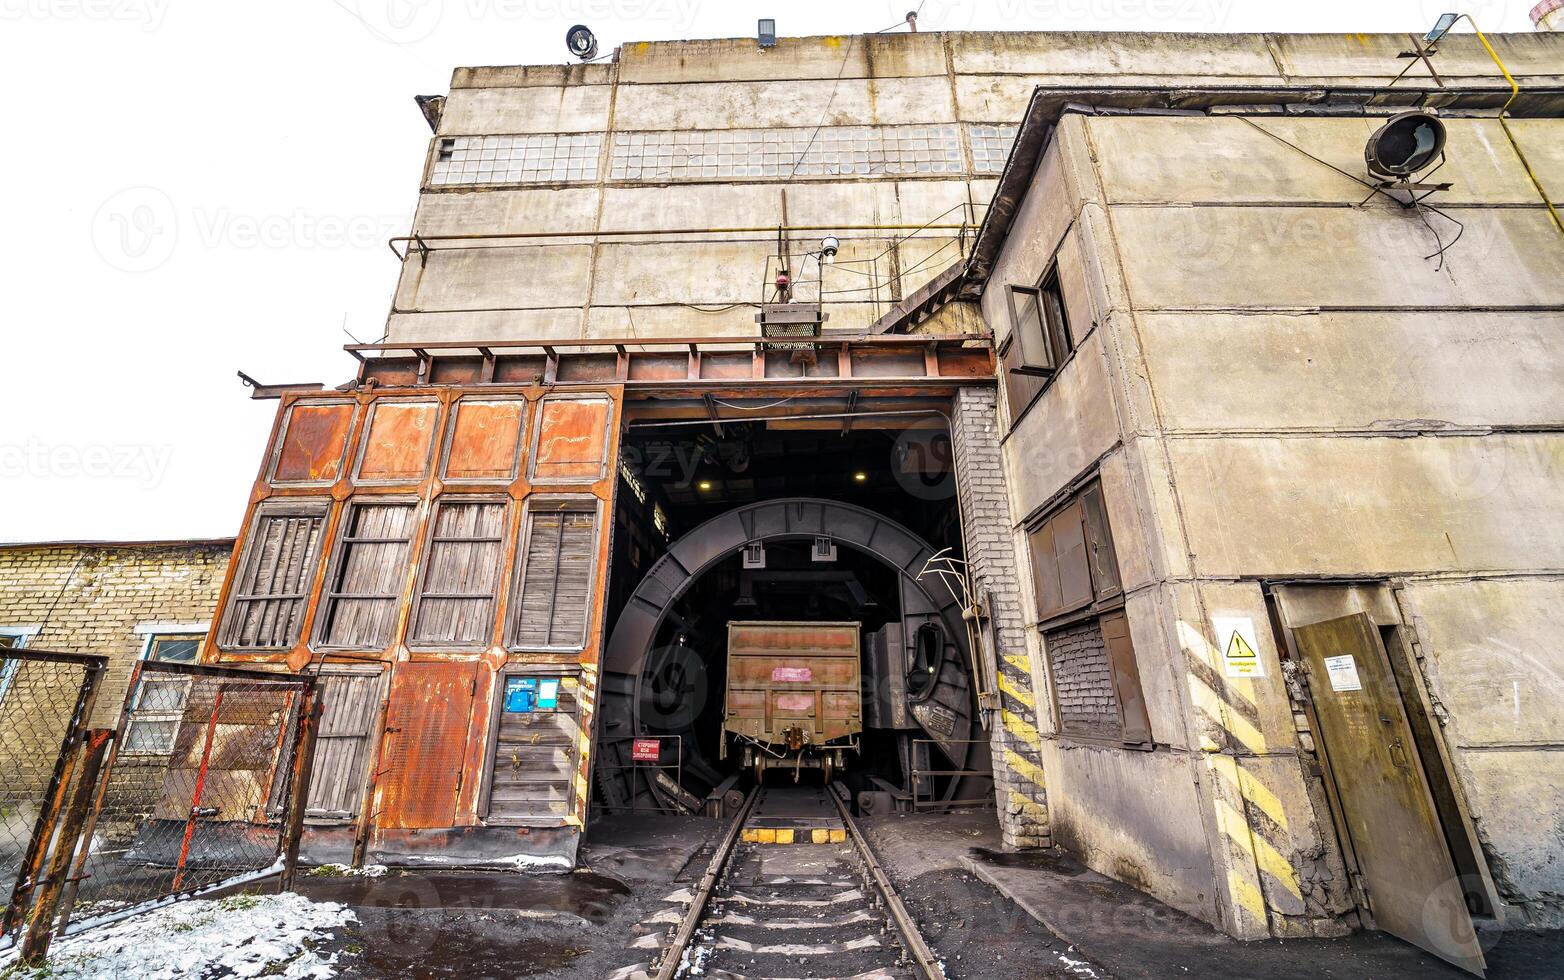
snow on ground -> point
(239, 936)
(343, 871)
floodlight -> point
(581, 42)
(766, 32)
(1408, 143)
(1441, 28)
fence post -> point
(40, 919)
(299, 790)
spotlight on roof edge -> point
(1441, 28)
(766, 32)
(581, 42)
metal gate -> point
(45, 699)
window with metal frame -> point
(12, 638)
(267, 600)
(153, 721)
(552, 602)
(1039, 343)
(537, 739)
(460, 580)
(359, 607)
(1093, 673)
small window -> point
(553, 601)
(174, 647)
(266, 604)
(1039, 343)
(12, 638)
(152, 724)
(461, 575)
(359, 607)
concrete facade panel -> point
(507, 211)
(735, 59)
(488, 278)
(1353, 370)
(498, 111)
(1321, 505)
(802, 103)
(544, 324)
(1111, 55)
(1492, 658)
(1236, 257)
(1150, 159)
(1517, 800)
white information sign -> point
(1343, 671)
(1240, 649)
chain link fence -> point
(44, 701)
(196, 792)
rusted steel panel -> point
(966, 362)
(314, 440)
(588, 368)
(573, 439)
(426, 740)
(398, 443)
(520, 370)
(485, 439)
(888, 363)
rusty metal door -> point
(1412, 887)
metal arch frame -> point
(693, 554)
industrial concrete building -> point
(1147, 438)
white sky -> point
(195, 187)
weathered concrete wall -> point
(1277, 385)
(91, 598)
(962, 92)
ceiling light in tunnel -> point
(860, 476)
(703, 485)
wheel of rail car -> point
(945, 710)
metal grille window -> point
(536, 741)
(11, 638)
(359, 608)
(1095, 678)
(554, 590)
(461, 575)
(266, 606)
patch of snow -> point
(343, 871)
(240, 936)
(553, 863)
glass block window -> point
(543, 158)
(832, 151)
(990, 146)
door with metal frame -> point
(1412, 887)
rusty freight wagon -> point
(793, 698)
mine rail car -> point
(833, 909)
(794, 698)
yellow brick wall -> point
(90, 598)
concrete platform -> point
(1132, 936)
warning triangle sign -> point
(1239, 649)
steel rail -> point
(912, 939)
(673, 955)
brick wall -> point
(90, 598)
(987, 528)
(1083, 681)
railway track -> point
(773, 910)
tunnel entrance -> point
(809, 526)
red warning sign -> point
(645, 749)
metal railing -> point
(918, 803)
(636, 768)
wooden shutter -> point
(1021, 388)
(266, 605)
(555, 600)
(461, 575)
(1061, 573)
(349, 704)
(533, 769)
(361, 604)
(1134, 725)
(426, 743)
(1099, 543)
